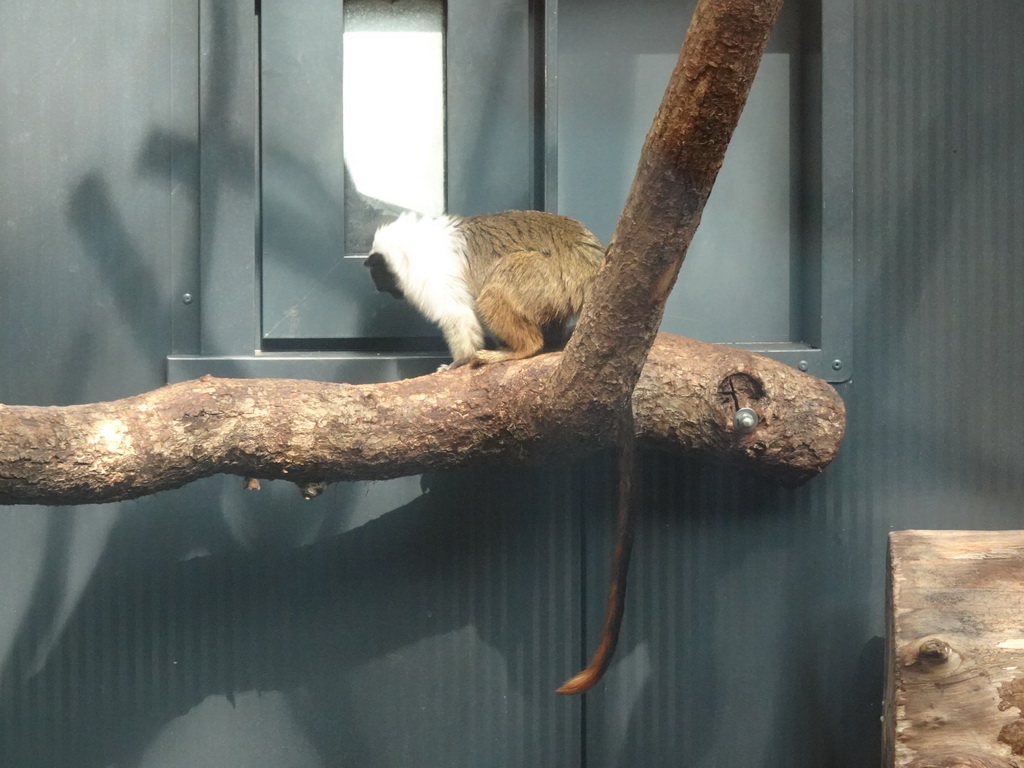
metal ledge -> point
(370, 368)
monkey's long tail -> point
(616, 604)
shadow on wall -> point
(148, 642)
(133, 289)
(60, 547)
(301, 216)
(739, 640)
(941, 265)
(133, 642)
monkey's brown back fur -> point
(534, 273)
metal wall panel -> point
(779, 220)
(314, 285)
(90, 135)
(225, 150)
(755, 615)
(422, 621)
(430, 635)
(384, 625)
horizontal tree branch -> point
(309, 432)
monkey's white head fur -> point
(428, 258)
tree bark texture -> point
(955, 672)
(310, 432)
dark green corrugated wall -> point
(400, 625)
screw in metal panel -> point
(837, 365)
(186, 298)
(802, 366)
(745, 420)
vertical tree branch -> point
(678, 165)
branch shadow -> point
(928, 208)
(129, 291)
(727, 570)
(149, 641)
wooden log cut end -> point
(955, 668)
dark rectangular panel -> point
(740, 257)
(326, 181)
(98, 194)
(227, 145)
(491, 106)
(319, 216)
(760, 272)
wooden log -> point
(955, 653)
(313, 432)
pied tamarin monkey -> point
(524, 275)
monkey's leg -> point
(522, 336)
(464, 336)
